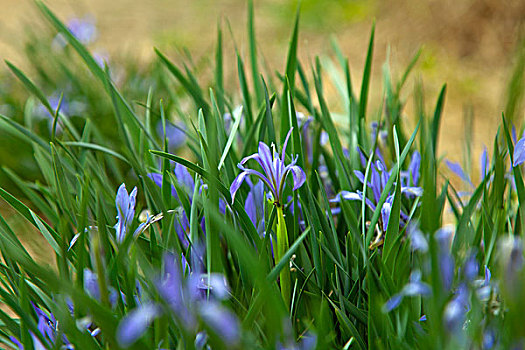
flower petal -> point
(299, 177)
(484, 162)
(415, 191)
(224, 323)
(134, 324)
(458, 170)
(393, 302)
(236, 184)
(519, 152)
(415, 164)
(157, 178)
(283, 154)
(183, 177)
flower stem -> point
(282, 247)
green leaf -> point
(363, 99)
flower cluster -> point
(187, 300)
(378, 180)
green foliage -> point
(355, 258)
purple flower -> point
(446, 261)
(91, 285)
(413, 288)
(411, 177)
(221, 321)
(175, 133)
(484, 162)
(470, 268)
(458, 170)
(48, 328)
(454, 314)
(307, 134)
(135, 323)
(417, 239)
(125, 211)
(519, 152)
(83, 29)
(274, 169)
(378, 180)
(182, 223)
(254, 206)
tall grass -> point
(351, 253)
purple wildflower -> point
(182, 222)
(413, 288)
(188, 298)
(175, 133)
(83, 29)
(458, 170)
(274, 173)
(446, 261)
(254, 206)
(125, 204)
(454, 314)
(91, 285)
(519, 152)
(221, 321)
(135, 323)
(377, 182)
(48, 328)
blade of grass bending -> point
(32, 195)
(93, 67)
(47, 235)
(55, 117)
(96, 147)
(20, 131)
(193, 90)
(26, 212)
(31, 87)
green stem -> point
(282, 248)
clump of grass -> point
(330, 235)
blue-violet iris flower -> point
(378, 180)
(125, 204)
(274, 173)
